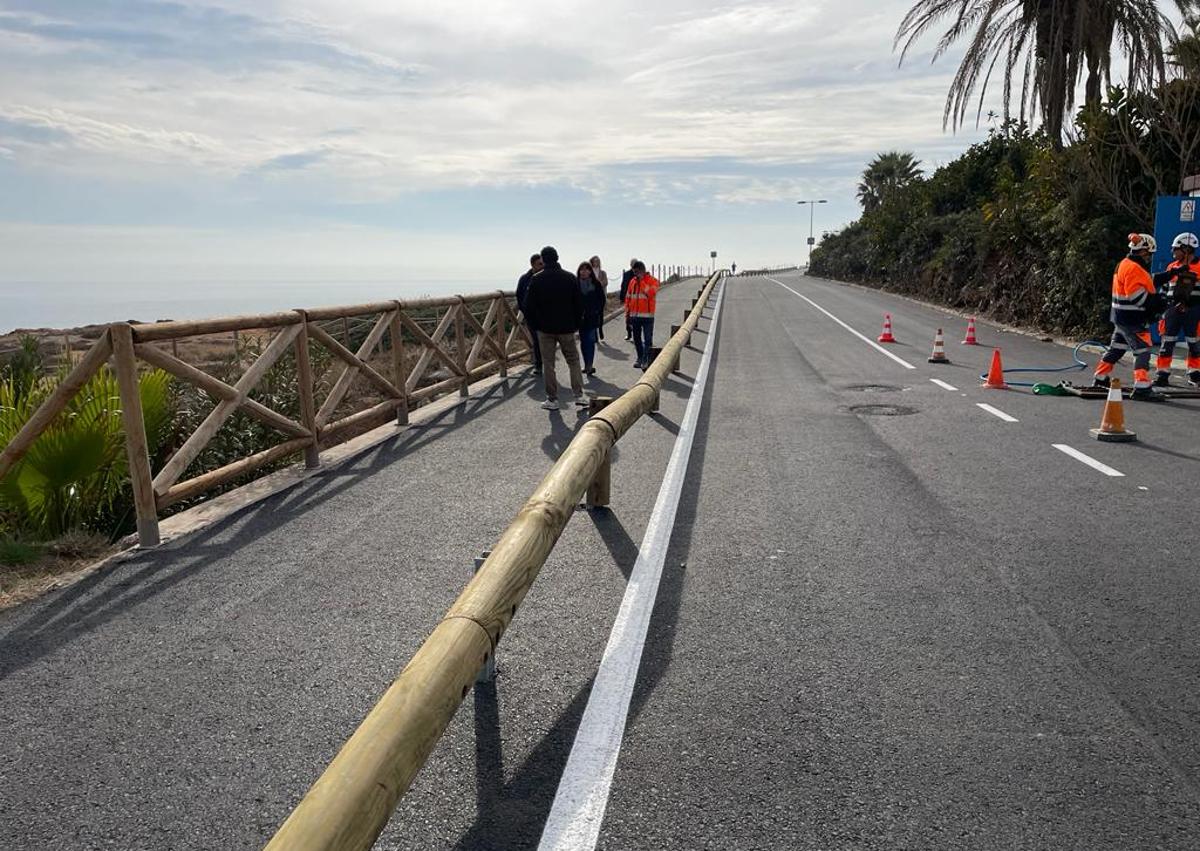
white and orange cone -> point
(970, 340)
(886, 336)
(1112, 423)
(939, 349)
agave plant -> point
(75, 475)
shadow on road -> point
(58, 619)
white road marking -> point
(996, 412)
(578, 808)
(943, 384)
(862, 337)
(1087, 459)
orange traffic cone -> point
(939, 349)
(970, 341)
(995, 377)
(886, 336)
(1112, 423)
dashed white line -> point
(1087, 459)
(943, 384)
(583, 790)
(996, 412)
(862, 337)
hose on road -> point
(1043, 389)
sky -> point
(374, 139)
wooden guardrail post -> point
(308, 404)
(460, 338)
(501, 339)
(488, 672)
(396, 332)
(600, 489)
(144, 502)
(655, 351)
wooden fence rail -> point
(479, 346)
(351, 802)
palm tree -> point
(885, 173)
(1045, 47)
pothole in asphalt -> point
(882, 410)
(875, 388)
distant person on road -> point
(601, 278)
(626, 277)
(733, 268)
(1134, 305)
(593, 314)
(555, 307)
(1182, 311)
(535, 266)
(640, 298)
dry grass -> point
(29, 570)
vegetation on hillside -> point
(1025, 228)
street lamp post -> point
(812, 208)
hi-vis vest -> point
(1193, 297)
(1131, 286)
(641, 295)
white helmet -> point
(1187, 241)
(1139, 241)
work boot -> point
(1146, 394)
(1163, 379)
(1101, 381)
(1194, 378)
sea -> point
(73, 304)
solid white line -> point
(996, 412)
(943, 384)
(862, 337)
(1087, 459)
(578, 808)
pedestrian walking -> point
(555, 307)
(593, 314)
(1182, 312)
(601, 278)
(1134, 305)
(626, 277)
(535, 266)
(640, 298)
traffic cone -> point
(995, 377)
(970, 341)
(939, 349)
(1112, 423)
(886, 336)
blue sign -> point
(1174, 215)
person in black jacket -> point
(535, 266)
(593, 313)
(554, 305)
(626, 277)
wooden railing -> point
(351, 802)
(470, 337)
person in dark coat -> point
(554, 306)
(626, 277)
(535, 266)
(593, 313)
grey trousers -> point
(549, 344)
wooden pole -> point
(351, 802)
(346, 332)
(135, 435)
(396, 332)
(460, 342)
(599, 490)
(308, 402)
(88, 365)
(501, 312)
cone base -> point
(969, 343)
(942, 359)
(1113, 436)
(986, 386)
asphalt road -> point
(925, 630)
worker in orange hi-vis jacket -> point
(1134, 305)
(640, 298)
(1182, 313)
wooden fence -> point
(351, 802)
(469, 337)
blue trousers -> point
(643, 337)
(587, 344)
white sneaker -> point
(582, 401)
(550, 405)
